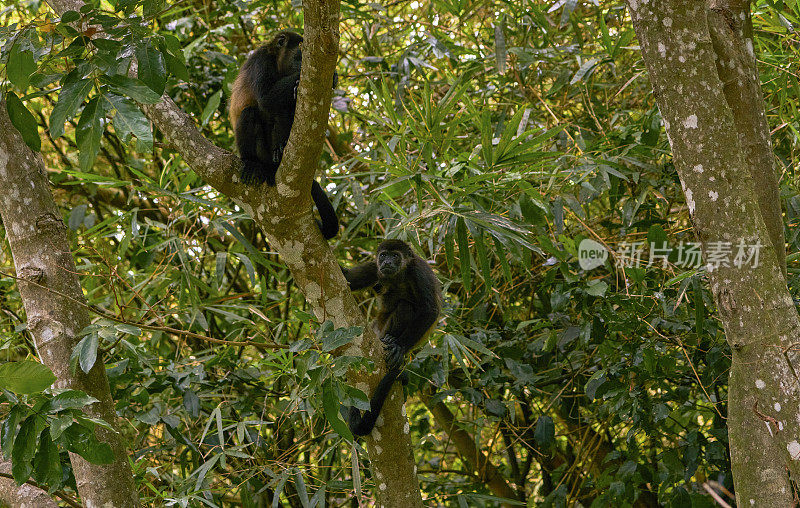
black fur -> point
(262, 108)
(410, 306)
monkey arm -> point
(261, 74)
(281, 98)
(414, 315)
(361, 276)
(407, 326)
(278, 104)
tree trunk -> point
(55, 306)
(714, 120)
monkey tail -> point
(329, 223)
(361, 425)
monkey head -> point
(392, 258)
(286, 47)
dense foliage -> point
(493, 136)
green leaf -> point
(569, 6)
(46, 462)
(59, 424)
(545, 431)
(85, 352)
(90, 131)
(660, 412)
(20, 67)
(24, 121)
(70, 17)
(76, 217)
(699, 306)
(222, 259)
(449, 254)
(501, 255)
(203, 470)
(25, 377)
(463, 253)
(176, 67)
(597, 379)
(500, 48)
(339, 337)
(81, 440)
(129, 329)
(254, 253)
(129, 120)
(132, 88)
(300, 486)
(152, 70)
(24, 449)
(248, 266)
(596, 287)
(330, 404)
(9, 429)
(70, 399)
(191, 402)
(584, 70)
(211, 106)
(69, 100)
(483, 259)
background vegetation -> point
(493, 136)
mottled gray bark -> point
(731, 35)
(55, 305)
(755, 307)
(284, 214)
(22, 496)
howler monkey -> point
(410, 305)
(262, 111)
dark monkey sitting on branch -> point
(262, 111)
(410, 306)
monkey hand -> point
(277, 155)
(255, 172)
(395, 354)
(296, 84)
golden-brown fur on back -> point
(276, 58)
(241, 97)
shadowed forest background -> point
(493, 137)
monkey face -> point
(288, 53)
(390, 262)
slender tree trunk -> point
(731, 30)
(465, 444)
(55, 305)
(711, 116)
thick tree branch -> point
(22, 496)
